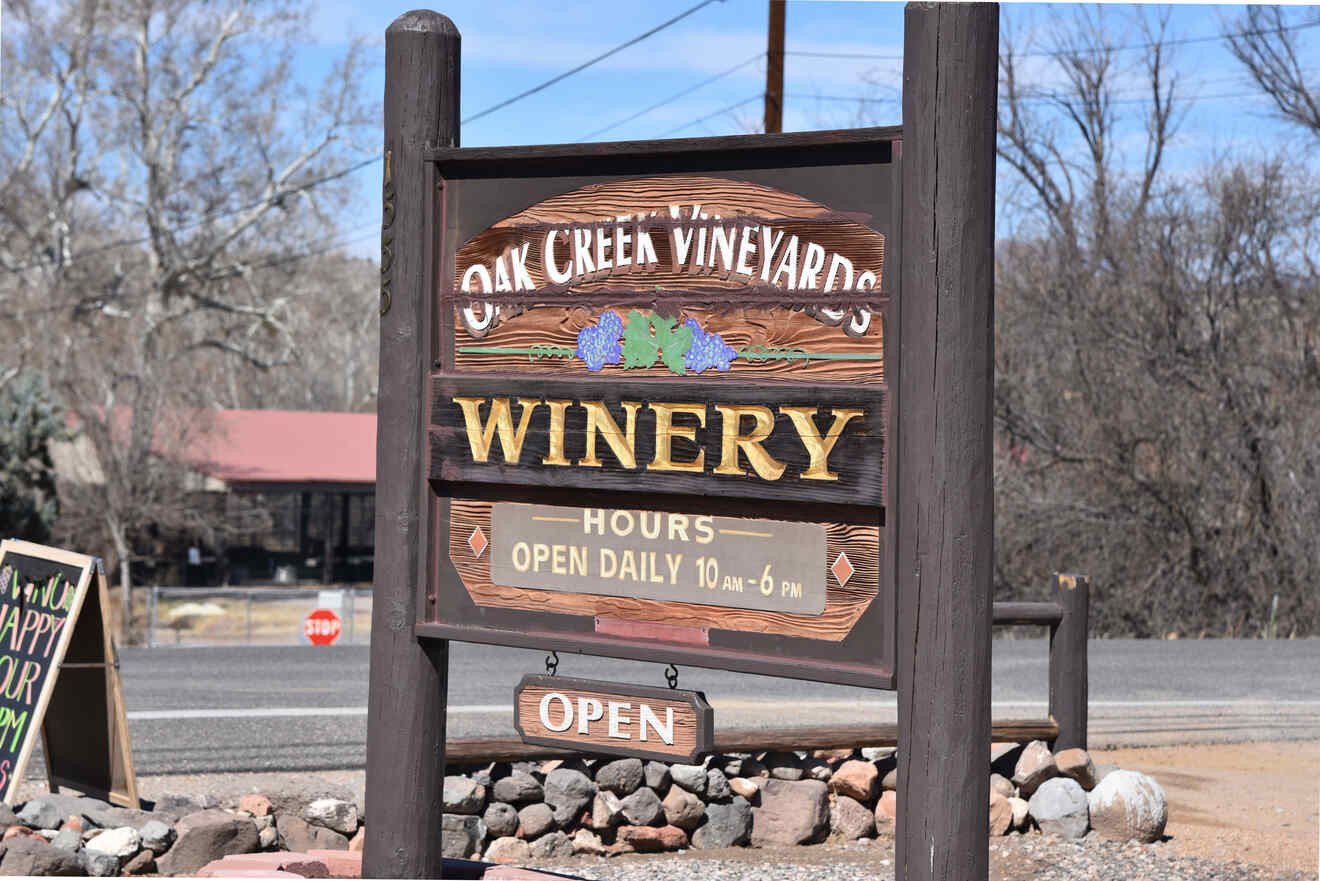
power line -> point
(619, 48)
(757, 97)
(674, 97)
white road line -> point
(732, 704)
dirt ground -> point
(1255, 802)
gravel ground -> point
(1030, 857)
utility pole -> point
(774, 69)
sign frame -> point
(471, 189)
(703, 716)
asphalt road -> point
(198, 710)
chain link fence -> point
(198, 616)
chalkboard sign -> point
(59, 674)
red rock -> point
(141, 864)
(650, 839)
(1034, 767)
(73, 822)
(16, 830)
(886, 809)
(359, 840)
(856, 779)
(746, 788)
(517, 873)
(255, 804)
(341, 863)
(272, 861)
(1077, 764)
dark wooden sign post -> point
(722, 402)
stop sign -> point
(321, 627)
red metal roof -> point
(288, 446)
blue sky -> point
(511, 46)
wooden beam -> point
(774, 69)
(1008, 614)
(407, 696)
(945, 500)
(1068, 666)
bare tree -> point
(159, 155)
(1265, 39)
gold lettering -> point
(480, 437)
(555, 456)
(622, 443)
(767, 467)
(666, 431)
(818, 448)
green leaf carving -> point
(639, 348)
(673, 343)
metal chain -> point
(552, 666)
(671, 676)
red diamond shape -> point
(842, 569)
(477, 541)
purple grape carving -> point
(707, 350)
(599, 345)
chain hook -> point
(671, 676)
(552, 666)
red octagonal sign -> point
(321, 627)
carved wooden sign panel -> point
(666, 724)
(688, 346)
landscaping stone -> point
(461, 835)
(784, 766)
(359, 841)
(268, 837)
(7, 816)
(657, 776)
(1001, 814)
(744, 787)
(791, 812)
(569, 792)
(96, 863)
(141, 864)
(518, 788)
(295, 833)
(1077, 764)
(208, 835)
(606, 811)
(690, 777)
(293, 797)
(717, 785)
(464, 796)
(1004, 757)
(508, 850)
(120, 843)
(1021, 812)
(653, 839)
(683, 809)
(67, 838)
(643, 807)
(727, 825)
(588, 842)
(500, 819)
(1128, 806)
(1002, 785)
(255, 804)
(551, 845)
(621, 777)
(31, 856)
(1059, 808)
(536, 820)
(876, 753)
(1034, 767)
(817, 769)
(40, 814)
(856, 779)
(341, 816)
(886, 809)
(156, 836)
(850, 819)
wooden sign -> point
(685, 334)
(59, 675)
(608, 718)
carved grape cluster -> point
(707, 350)
(648, 339)
(600, 344)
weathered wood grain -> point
(844, 605)
(945, 510)
(1069, 686)
(693, 718)
(857, 458)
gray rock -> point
(29, 856)
(643, 807)
(121, 842)
(690, 777)
(293, 797)
(500, 819)
(1002, 785)
(1059, 808)
(297, 834)
(621, 777)
(268, 837)
(717, 785)
(205, 836)
(1034, 767)
(586, 841)
(41, 814)
(1128, 806)
(175, 805)
(333, 813)
(508, 850)
(568, 792)
(99, 864)
(683, 809)
(461, 835)
(68, 839)
(657, 776)
(156, 836)
(7, 817)
(850, 819)
(518, 788)
(606, 811)
(791, 812)
(784, 766)
(536, 820)
(817, 769)
(552, 845)
(876, 753)
(144, 862)
(464, 796)
(727, 825)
